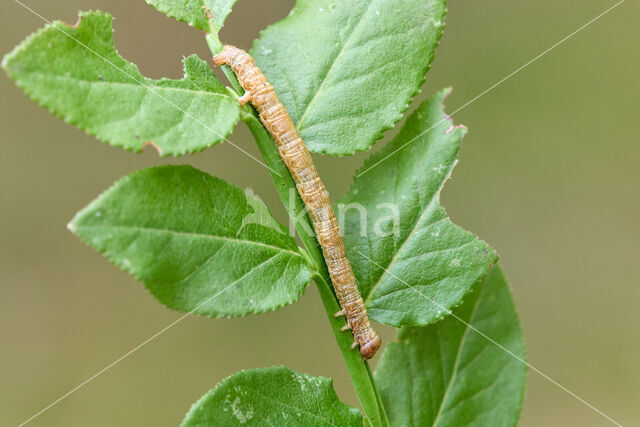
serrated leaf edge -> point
(404, 106)
(30, 93)
(72, 226)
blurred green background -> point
(548, 175)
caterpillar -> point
(315, 196)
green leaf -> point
(275, 396)
(199, 244)
(447, 374)
(206, 15)
(347, 70)
(405, 252)
(76, 73)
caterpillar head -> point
(369, 349)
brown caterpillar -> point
(295, 155)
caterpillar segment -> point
(312, 191)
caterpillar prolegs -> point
(295, 155)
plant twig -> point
(358, 368)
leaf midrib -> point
(333, 63)
(191, 234)
(454, 374)
(139, 85)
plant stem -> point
(358, 368)
(383, 412)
